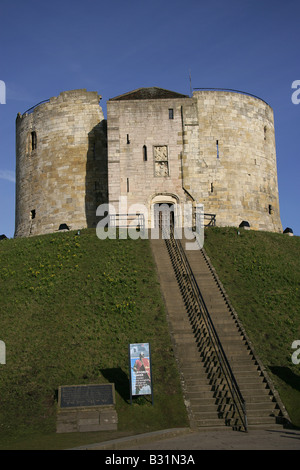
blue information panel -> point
(140, 369)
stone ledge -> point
(98, 419)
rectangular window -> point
(171, 113)
(161, 160)
(128, 185)
(217, 143)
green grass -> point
(261, 274)
(70, 305)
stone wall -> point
(144, 151)
(230, 158)
(61, 164)
(217, 149)
(87, 420)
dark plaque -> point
(74, 396)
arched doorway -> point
(164, 215)
(165, 210)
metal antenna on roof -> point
(190, 78)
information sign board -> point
(73, 396)
(140, 369)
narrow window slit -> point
(265, 133)
(33, 140)
(145, 153)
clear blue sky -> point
(117, 46)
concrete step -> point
(248, 379)
(266, 420)
(232, 336)
(220, 319)
(204, 390)
(187, 338)
(202, 394)
(249, 386)
(241, 371)
(205, 409)
(257, 396)
(260, 414)
(209, 422)
(233, 346)
(189, 350)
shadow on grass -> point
(289, 377)
(117, 376)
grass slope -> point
(261, 274)
(70, 305)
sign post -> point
(140, 371)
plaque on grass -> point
(86, 396)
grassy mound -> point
(70, 305)
(261, 274)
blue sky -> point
(118, 46)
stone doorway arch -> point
(164, 215)
(164, 209)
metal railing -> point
(236, 395)
(128, 221)
(30, 110)
(232, 91)
(211, 218)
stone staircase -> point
(209, 395)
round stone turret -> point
(61, 164)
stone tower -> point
(61, 164)
(216, 148)
(230, 158)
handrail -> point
(35, 106)
(115, 219)
(212, 221)
(222, 358)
